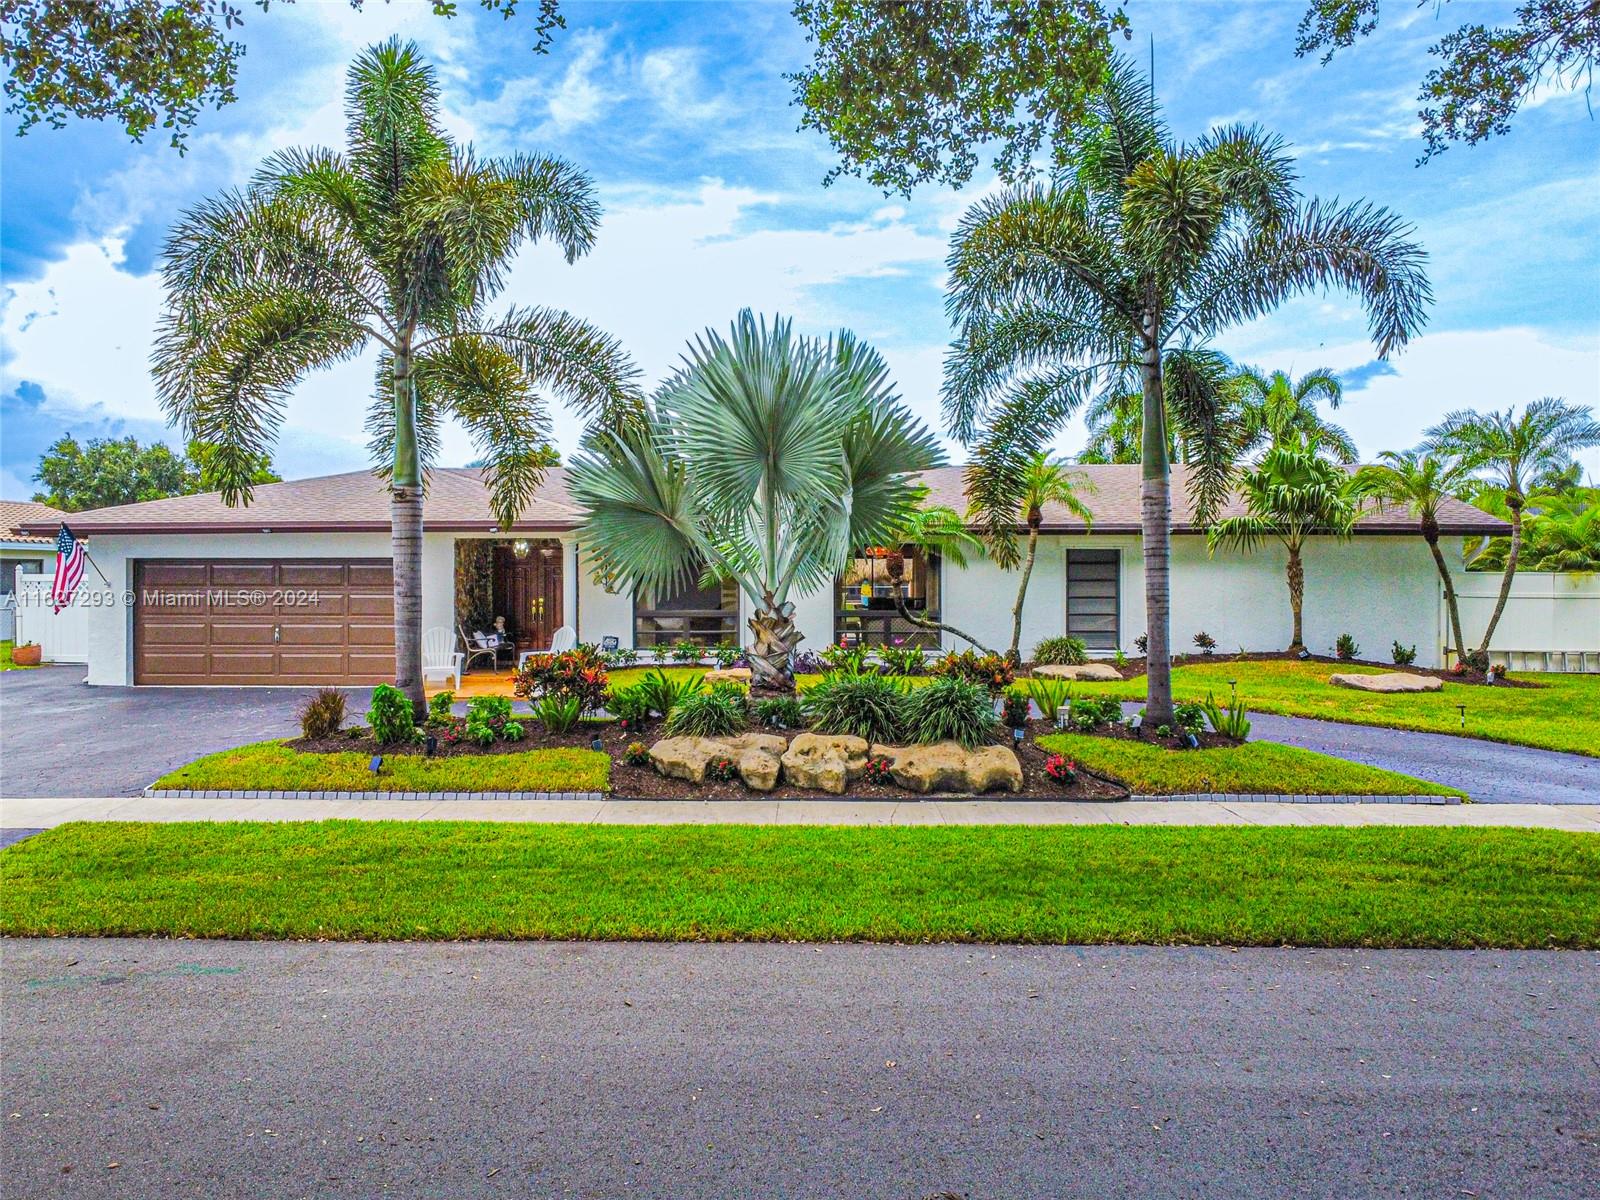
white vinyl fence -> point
(1551, 621)
(63, 636)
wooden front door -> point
(527, 593)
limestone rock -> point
(1088, 672)
(826, 762)
(727, 675)
(758, 756)
(993, 769)
(1389, 682)
(939, 766)
(685, 757)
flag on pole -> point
(69, 568)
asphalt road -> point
(163, 1069)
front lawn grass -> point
(1051, 884)
(272, 767)
(1245, 770)
(1563, 713)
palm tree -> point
(398, 242)
(765, 459)
(1560, 531)
(1292, 495)
(1515, 450)
(939, 529)
(1130, 259)
(1043, 482)
(1278, 406)
(1115, 416)
(1420, 481)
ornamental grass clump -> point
(716, 712)
(322, 714)
(1060, 651)
(950, 709)
(779, 712)
(864, 706)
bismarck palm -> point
(398, 242)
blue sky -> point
(714, 201)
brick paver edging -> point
(597, 797)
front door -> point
(527, 592)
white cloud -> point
(671, 76)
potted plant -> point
(26, 655)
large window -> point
(1094, 579)
(707, 615)
(869, 594)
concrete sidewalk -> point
(46, 812)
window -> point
(11, 568)
(707, 615)
(1094, 583)
(866, 611)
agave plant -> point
(763, 460)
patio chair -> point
(440, 658)
(565, 639)
(479, 645)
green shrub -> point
(1403, 656)
(390, 716)
(1050, 695)
(1205, 643)
(721, 711)
(1345, 648)
(780, 712)
(950, 709)
(867, 706)
(1014, 710)
(480, 732)
(991, 670)
(686, 651)
(629, 704)
(903, 660)
(322, 713)
(439, 708)
(1189, 716)
(726, 655)
(1060, 651)
(512, 731)
(850, 660)
(1092, 712)
(579, 672)
(663, 693)
(491, 710)
(557, 713)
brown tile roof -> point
(16, 513)
(458, 501)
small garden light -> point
(1016, 736)
(596, 743)
(376, 764)
(432, 744)
(1462, 709)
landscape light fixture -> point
(376, 764)
(1462, 708)
(597, 744)
(432, 744)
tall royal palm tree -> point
(1292, 495)
(398, 242)
(1130, 259)
(1515, 450)
(766, 459)
(1421, 481)
(1278, 407)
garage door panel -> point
(221, 622)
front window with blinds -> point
(1094, 580)
(704, 614)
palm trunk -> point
(1514, 503)
(936, 626)
(405, 507)
(1452, 606)
(776, 636)
(1297, 597)
(1155, 516)
(1022, 590)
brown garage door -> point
(242, 621)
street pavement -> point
(159, 1069)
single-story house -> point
(296, 587)
(23, 553)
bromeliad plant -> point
(579, 673)
(763, 460)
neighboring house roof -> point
(14, 514)
(458, 501)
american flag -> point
(69, 568)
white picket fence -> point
(63, 636)
(1551, 621)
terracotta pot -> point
(26, 656)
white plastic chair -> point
(565, 639)
(440, 658)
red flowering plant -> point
(579, 672)
(722, 769)
(879, 770)
(1061, 769)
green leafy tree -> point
(108, 471)
(1291, 496)
(1515, 450)
(399, 242)
(1485, 73)
(1129, 261)
(1420, 481)
(765, 459)
(1278, 408)
(140, 62)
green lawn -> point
(272, 766)
(1561, 714)
(5, 659)
(1054, 884)
(1250, 768)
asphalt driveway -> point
(167, 1068)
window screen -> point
(1094, 597)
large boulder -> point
(949, 767)
(1087, 672)
(685, 757)
(727, 675)
(824, 761)
(1389, 682)
(758, 757)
